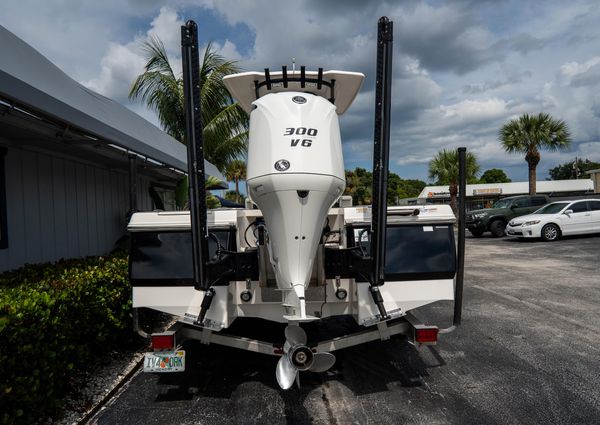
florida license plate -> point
(165, 362)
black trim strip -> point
(399, 277)
(3, 204)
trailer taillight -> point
(163, 341)
(426, 335)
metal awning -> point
(33, 82)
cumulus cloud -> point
(582, 74)
(445, 38)
(165, 27)
(574, 95)
(575, 69)
(122, 63)
(120, 66)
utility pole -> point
(576, 169)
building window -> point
(3, 221)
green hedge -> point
(54, 320)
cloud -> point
(574, 95)
(469, 111)
(584, 74)
(445, 38)
(165, 26)
(461, 68)
(456, 80)
(575, 69)
(511, 79)
(525, 43)
(122, 63)
(120, 67)
(228, 50)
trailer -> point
(298, 254)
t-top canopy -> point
(340, 87)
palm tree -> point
(225, 132)
(181, 193)
(236, 171)
(529, 133)
(444, 169)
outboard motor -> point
(295, 174)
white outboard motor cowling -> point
(295, 174)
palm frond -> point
(443, 168)
(529, 133)
(225, 123)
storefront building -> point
(484, 195)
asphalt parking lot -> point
(528, 352)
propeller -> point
(298, 357)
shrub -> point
(54, 319)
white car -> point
(558, 219)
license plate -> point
(165, 362)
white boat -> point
(297, 254)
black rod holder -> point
(460, 266)
(284, 76)
(381, 148)
(268, 78)
(195, 152)
(320, 79)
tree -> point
(359, 183)
(530, 133)
(410, 188)
(494, 175)
(444, 169)
(230, 195)
(573, 170)
(399, 188)
(225, 131)
(236, 171)
(182, 191)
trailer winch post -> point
(460, 260)
(195, 152)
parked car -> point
(558, 219)
(494, 219)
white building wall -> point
(513, 188)
(63, 208)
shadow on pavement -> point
(219, 372)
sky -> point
(461, 69)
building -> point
(595, 176)
(73, 163)
(484, 195)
